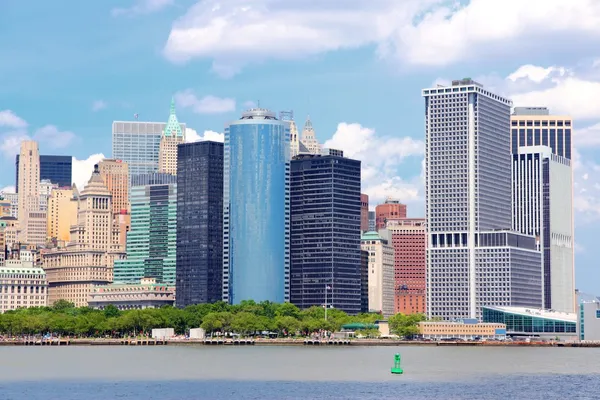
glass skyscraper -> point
(325, 232)
(473, 257)
(57, 169)
(256, 247)
(151, 241)
(199, 223)
(138, 144)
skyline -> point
(361, 96)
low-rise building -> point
(22, 283)
(589, 320)
(127, 296)
(532, 322)
(466, 329)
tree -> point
(110, 311)
(63, 305)
(405, 325)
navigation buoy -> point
(396, 368)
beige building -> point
(146, 294)
(172, 136)
(29, 178)
(22, 283)
(380, 274)
(62, 213)
(466, 330)
(13, 200)
(34, 229)
(115, 174)
(89, 258)
(309, 140)
(11, 230)
(5, 207)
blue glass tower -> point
(256, 209)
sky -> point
(68, 68)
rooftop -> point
(372, 235)
(536, 312)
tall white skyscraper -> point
(474, 259)
(543, 197)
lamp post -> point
(327, 287)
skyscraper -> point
(391, 209)
(115, 174)
(151, 241)
(62, 213)
(543, 197)
(473, 257)
(88, 259)
(308, 139)
(172, 135)
(199, 223)
(325, 232)
(256, 258)
(138, 144)
(56, 169)
(364, 212)
(28, 178)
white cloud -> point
(206, 105)
(11, 142)
(82, 169)
(8, 189)
(415, 32)
(11, 120)
(587, 137)
(192, 136)
(98, 105)
(249, 104)
(380, 158)
(535, 73)
(143, 7)
(53, 138)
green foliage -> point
(247, 319)
(405, 325)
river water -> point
(280, 373)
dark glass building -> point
(58, 169)
(325, 232)
(154, 178)
(199, 266)
(364, 281)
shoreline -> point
(281, 342)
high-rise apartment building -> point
(88, 259)
(473, 259)
(391, 209)
(172, 135)
(325, 232)
(138, 144)
(409, 239)
(199, 223)
(151, 241)
(29, 179)
(56, 169)
(115, 175)
(543, 197)
(381, 272)
(61, 214)
(256, 227)
(364, 212)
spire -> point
(172, 128)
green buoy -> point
(396, 368)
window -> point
(598, 314)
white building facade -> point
(381, 272)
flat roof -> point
(536, 312)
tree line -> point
(247, 318)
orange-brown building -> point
(364, 212)
(391, 209)
(409, 241)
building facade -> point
(56, 169)
(172, 135)
(533, 322)
(543, 208)
(87, 260)
(325, 232)
(22, 283)
(364, 281)
(309, 140)
(256, 227)
(391, 209)
(147, 293)
(138, 144)
(155, 178)
(467, 199)
(364, 212)
(467, 329)
(199, 270)
(372, 221)
(410, 264)
(151, 241)
(28, 179)
(589, 320)
(115, 174)
(381, 272)
(62, 213)
(543, 196)
(13, 199)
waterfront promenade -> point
(284, 342)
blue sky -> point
(69, 68)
